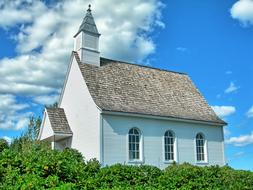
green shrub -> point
(128, 176)
(33, 165)
(3, 145)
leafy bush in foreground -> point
(3, 145)
(33, 165)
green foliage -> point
(186, 176)
(33, 165)
(33, 128)
(128, 176)
(54, 105)
(3, 145)
(29, 136)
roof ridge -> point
(145, 66)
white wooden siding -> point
(115, 130)
(82, 114)
(90, 42)
(46, 130)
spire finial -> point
(89, 10)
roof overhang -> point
(57, 137)
(169, 118)
(47, 131)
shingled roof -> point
(88, 24)
(123, 87)
(58, 120)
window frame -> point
(174, 147)
(140, 160)
(205, 161)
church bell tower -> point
(86, 40)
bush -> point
(33, 165)
(3, 145)
(128, 176)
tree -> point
(29, 136)
(3, 144)
(33, 128)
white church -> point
(119, 112)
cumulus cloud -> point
(231, 88)
(45, 38)
(250, 112)
(43, 34)
(20, 11)
(242, 140)
(13, 115)
(47, 99)
(242, 10)
(223, 111)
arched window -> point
(169, 140)
(200, 147)
(134, 144)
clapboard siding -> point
(115, 130)
(82, 114)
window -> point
(169, 140)
(134, 144)
(200, 147)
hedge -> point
(36, 166)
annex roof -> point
(58, 120)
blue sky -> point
(210, 40)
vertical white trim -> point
(223, 146)
(176, 149)
(101, 134)
(206, 150)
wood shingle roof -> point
(58, 120)
(123, 87)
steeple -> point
(87, 40)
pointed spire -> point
(89, 10)
(88, 24)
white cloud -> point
(231, 88)
(51, 30)
(20, 11)
(242, 140)
(250, 112)
(47, 99)
(22, 123)
(223, 111)
(13, 115)
(44, 41)
(8, 139)
(242, 10)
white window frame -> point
(205, 161)
(140, 160)
(174, 147)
